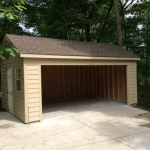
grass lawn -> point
(147, 115)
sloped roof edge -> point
(51, 48)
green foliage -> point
(145, 115)
(7, 50)
(144, 98)
(10, 9)
(10, 17)
(85, 19)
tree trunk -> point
(147, 48)
(87, 33)
(66, 22)
(118, 22)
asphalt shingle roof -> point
(49, 46)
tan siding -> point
(30, 91)
(34, 114)
(18, 108)
(32, 77)
(33, 83)
(33, 86)
(19, 115)
(35, 118)
(18, 94)
(34, 109)
(132, 83)
(34, 72)
(33, 100)
(32, 67)
(18, 97)
(18, 102)
(37, 104)
(4, 87)
(33, 93)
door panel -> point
(10, 89)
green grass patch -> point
(147, 115)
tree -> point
(118, 22)
(82, 20)
(10, 11)
(137, 23)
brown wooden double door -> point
(75, 82)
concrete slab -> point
(137, 142)
(74, 107)
(91, 125)
(122, 112)
(117, 128)
(104, 145)
(72, 138)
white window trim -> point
(16, 70)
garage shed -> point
(49, 70)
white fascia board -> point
(75, 57)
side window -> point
(17, 78)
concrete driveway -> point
(92, 125)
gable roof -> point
(49, 46)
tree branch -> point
(105, 22)
(128, 5)
(125, 3)
(110, 25)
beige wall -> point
(18, 97)
(32, 74)
(132, 83)
(32, 92)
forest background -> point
(122, 22)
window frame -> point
(17, 78)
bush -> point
(144, 100)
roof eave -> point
(75, 57)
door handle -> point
(8, 92)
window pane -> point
(18, 82)
(18, 86)
(19, 70)
(17, 73)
